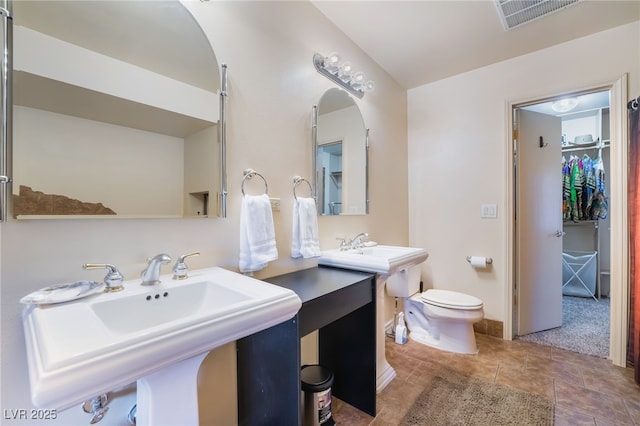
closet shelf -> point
(580, 222)
(604, 144)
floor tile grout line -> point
(627, 410)
(581, 366)
(608, 397)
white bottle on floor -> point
(401, 330)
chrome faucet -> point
(356, 242)
(151, 274)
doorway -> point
(558, 271)
(329, 157)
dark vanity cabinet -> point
(341, 305)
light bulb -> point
(358, 78)
(564, 105)
(345, 72)
(369, 86)
(332, 62)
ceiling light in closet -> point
(564, 105)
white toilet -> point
(442, 319)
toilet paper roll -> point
(478, 262)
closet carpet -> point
(585, 327)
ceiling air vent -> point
(514, 13)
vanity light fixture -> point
(342, 73)
(564, 105)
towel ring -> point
(296, 181)
(248, 174)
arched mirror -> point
(116, 110)
(340, 143)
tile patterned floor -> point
(586, 390)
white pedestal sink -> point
(384, 261)
(156, 335)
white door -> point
(538, 222)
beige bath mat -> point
(453, 399)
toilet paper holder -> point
(488, 260)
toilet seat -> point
(450, 299)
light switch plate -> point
(489, 211)
(275, 204)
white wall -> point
(458, 149)
(268, 47)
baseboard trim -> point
(489, 327)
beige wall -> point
(458, 150)
(268, 47)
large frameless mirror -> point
(116, 111)
(340, 143)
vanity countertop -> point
(317, 282)
(327, 293)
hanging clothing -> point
(566, 190)
(590, 183)
(583, 189)
(601, 204)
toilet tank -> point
(404, 283)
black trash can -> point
(316, 388)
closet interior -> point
(586, 226)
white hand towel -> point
(305, 241)
(257, 235)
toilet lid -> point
(451, 299)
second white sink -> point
(380, 259)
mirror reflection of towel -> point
(305, 241)
(257, 235)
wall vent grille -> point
(514, 13)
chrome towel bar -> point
(248, 174)
(297, 181)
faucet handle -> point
(344, 244)
(113, 279)
(180, 269)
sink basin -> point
(385, 260)
(180, 302)
(80, 349)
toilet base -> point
(441, 328)
(463, 346)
